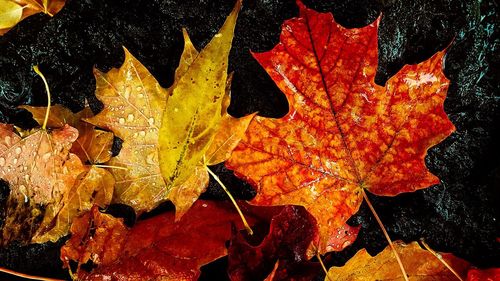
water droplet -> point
(138, 89)
(127, 92)
(121, 120)
(2, 161)
(142, 133)
(18, 150)
(130, 117)
(22, 189)
(150, 159)
(25, 168)
(218, 35)
(151, 121)
(14, 161)
(204, 205)
(46, 157)
(141, 96)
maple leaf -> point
(39, 170)
(343, 133)
(169, 136)
(94, 184)
(133, 105)
(158, 248)
(14, 11)
(420, 265)
(290, 233)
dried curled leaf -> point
(343, 133)
(40, 170)
(14, 11)
(420, 265)
(158, 248)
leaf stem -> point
(245, 223)
(440, 258)
(109, 166)
(27, 276)
(318, 256)
(46, 119)
(403, 271)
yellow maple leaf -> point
(170, 135)
(13, 11)
(420, 265)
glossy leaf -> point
(13, 11)
(40, 170)
(133, 105)
(419, 264)
(343, 133)
(93, 187)
(170, 135)
(94, 236)
(157, 248)
(92, 146)
(285, 248)
(196, 128)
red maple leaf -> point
(158, 247)
(343, 133)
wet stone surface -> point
(459, 215)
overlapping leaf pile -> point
(343, 135)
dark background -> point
(459, 216)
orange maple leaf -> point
(343, 133)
